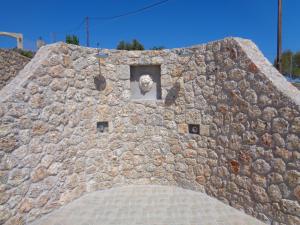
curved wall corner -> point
(62, 136)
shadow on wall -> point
(100, 82)
(172, 94)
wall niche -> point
(145, 82)
(102, 127)
(194, 129)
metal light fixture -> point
(194, 128)
(102, 126)
(100, 80)
(184, 53)
(101, 55)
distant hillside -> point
(297, 85)
(11, 62)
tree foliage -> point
(134, 45)
(290, 63)
(296, 59)
(26, 53)
(72, 39)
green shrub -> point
(72, 39)
(26, 53)
(134, 45)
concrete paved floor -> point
(146, 204)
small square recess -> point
(194, 128)
(102, 126)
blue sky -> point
(176, 23)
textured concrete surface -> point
(146, 204)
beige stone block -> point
(25, 206)
(297, 192)
(39, 128)
(193, 117)
(39, 174)
(4, 196)
(201, 179)
(8, 143)
(66, 61)
(204, 130)
(182, 128)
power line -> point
(72, 30)
(131, 12)
(87, 31)
(87, 19)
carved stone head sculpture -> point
(145, 83)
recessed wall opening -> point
(145, 82)
(102, 126)
(194, 128)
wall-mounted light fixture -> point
(102, 126)
(100, 80)
(101, 55)
(185, 53)
(194, 128)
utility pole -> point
(279, 37)
(87, 31)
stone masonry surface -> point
(246, 155)
(147, 205)
(11, 63)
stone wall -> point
(11, 63)
(247, 153)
